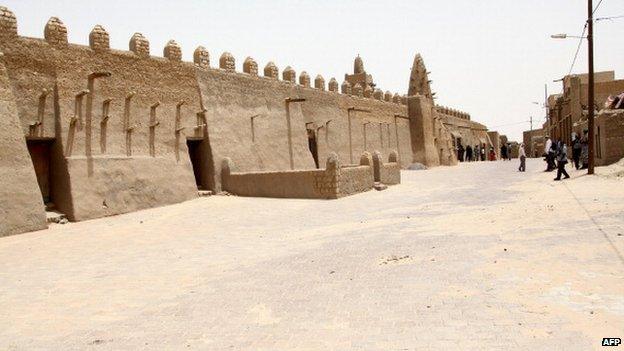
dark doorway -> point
(313, 146)
(40, 150)
(195, 154)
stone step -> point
(56, 217)
(380, 186)
(203, 193)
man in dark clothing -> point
(562, 159)
(504, 152)
(460, 153)
(468, 153)
(552, 155)
(576, 151)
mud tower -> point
(360, 76)
(420, 107)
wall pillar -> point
(420, 111)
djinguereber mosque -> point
(91, 131)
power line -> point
(582, 37)
(510, 124)
(608, 18)
(597, 6)
(578, 48)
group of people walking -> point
(481, 152)
(556, 154)
(506, 152)
(476, 153)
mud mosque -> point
(91, 131)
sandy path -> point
(471, 257)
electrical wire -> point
(597, 6)
(578, 48)
(608, 18)
(511, 124)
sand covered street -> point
(472, 257)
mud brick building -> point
(93, 131)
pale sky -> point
(490, 58)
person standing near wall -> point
(503, 151)
(576, 151)
(585, 150)
(522, 156)
(482, 152)
(460, 152)
(549, 153)
(562, 159)
(468, 153)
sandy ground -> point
(472, 257)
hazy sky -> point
(490, 58)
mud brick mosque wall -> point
(248, 122)
(21, 208)
(118, 121)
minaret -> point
(420, 112)
(359, 75)
(358, 65)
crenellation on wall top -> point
(452, 112)
(250, 66)
(304, 79)
(8, 22)
(139, 45)
(289, 75)
(333, 85)
(396, 98)
(201, 57)
(319, 82)
(227, 62)
(172, 51)
(388, 96)
(55, 32)
(99, 38)
(378, 94)
(271, 70)
(345, 88)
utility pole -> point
(590, 88)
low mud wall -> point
(329, 183)
(355, 180)
(387, 173)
